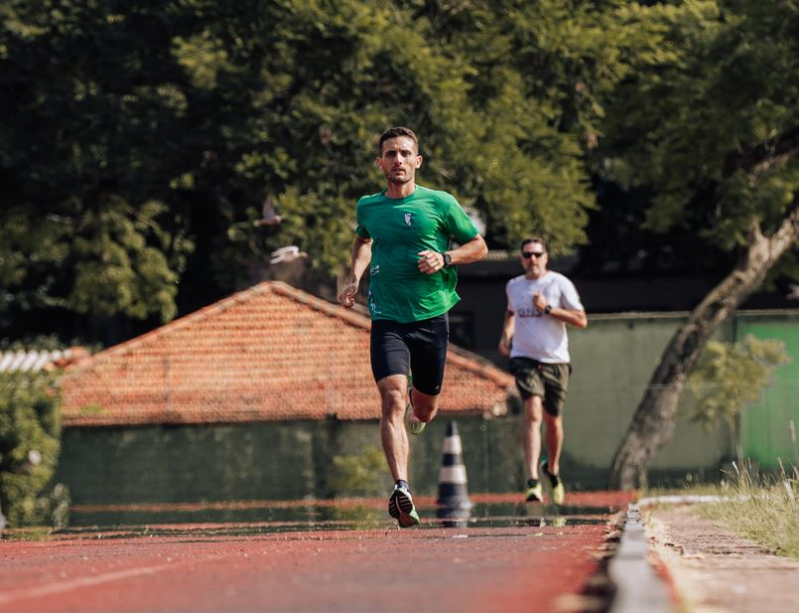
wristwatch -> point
(447, 259)
(548, 309)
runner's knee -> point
(393, 394)
(534, 410)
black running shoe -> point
(400, 507)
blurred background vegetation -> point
(138, 141)
(30, 431)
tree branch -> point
(765, 158)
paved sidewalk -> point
(713, 570)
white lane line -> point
(74, 584)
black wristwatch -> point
(447, 259)
(548, 309)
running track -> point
(525, 566)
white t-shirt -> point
(539, 336)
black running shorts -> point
(418, 347)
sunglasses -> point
(533, 254)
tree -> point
(30, 427)
(324, 80)
(709, 123)
(88, 160)
(139, 140)
(728, 377)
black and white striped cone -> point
(452, 492)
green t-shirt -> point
(400, 229)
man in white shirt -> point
(540, 304)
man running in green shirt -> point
(403, 237)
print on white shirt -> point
(539, 336)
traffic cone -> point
(452, 491)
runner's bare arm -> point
(578, 319)
(508, 329)
(432, 261)
(574, 317)
(361, 256)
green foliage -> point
(701, 118)
(359, 475)
(729, 377)
(30, 426)
(87, 159)
(140, 140)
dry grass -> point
(762, 508)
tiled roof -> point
(269, 353)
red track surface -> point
(470, 569)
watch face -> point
(447, 259)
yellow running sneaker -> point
(556, 490)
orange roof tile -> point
(269, 353)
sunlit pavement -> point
(503, 555)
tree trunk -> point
(653, 422)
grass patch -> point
(764, 508)
(761, 507)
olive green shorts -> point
(550, 381)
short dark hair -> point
(534, 239)
(394, 133)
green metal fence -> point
(613, 360)
(768, 428)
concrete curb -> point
(638, 588)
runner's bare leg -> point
(533, 417)
(394, 398)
